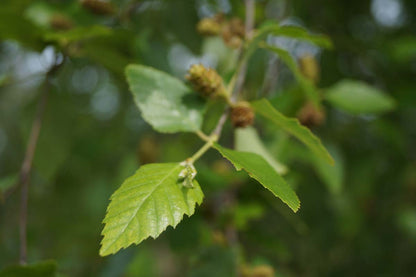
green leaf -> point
(247, 139)
(7, 182)
(293, 127)
(77, 34)
(15, 27)
(166, 103)
(41, 269)
(286, 31)
(357, 97)
(332, 176)
(302, 34)
(307, 86)
(146, 204)
(263, 172)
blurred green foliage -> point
(356, 219)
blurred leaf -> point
(301, 34)
(13, 26)
(166, 103)
(286, 31)
(307, 86)
(143, 264)
(259, 169)
(215, 261)
(293, 127)
(404, 49)
(332, 176)
(113, 51)
(7, 182)
(357, 97)
(77, 34)
(245, 212)
(146, 204)
(4, 79)
(247, 139)
(41, 269)
(406, 220)
(40, 13)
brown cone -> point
(205, 81)
(311, 116)
(242, 115)
(99, 7)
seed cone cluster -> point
(242, 115)
(257, 271)
(205, 81)
(231, 31)
(211, 26)
(60, 22)
(99, 7)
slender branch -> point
(202, 135)
(26, 168)
(249, 23)
(203, 149)
(218, 129)
(234, 87)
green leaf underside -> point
(247, 139)
(286, 31)
(259, 169)
(357, 97)
(40, 269)
(307, 86)
(146, 204)
(293, 127)
(77, 34)
(166, 103)
(302, 34)
(332, 176)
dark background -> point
(92, 138)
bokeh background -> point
(356, 219)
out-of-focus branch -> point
(26, 168)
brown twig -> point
(26, 168)
(236, 90)
(218, 129)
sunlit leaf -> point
(166, 103)
(146, 204)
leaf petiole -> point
(211, 140)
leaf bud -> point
(310, 116)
